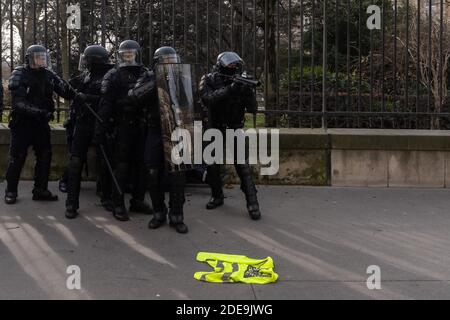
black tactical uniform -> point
(154, 161)
(94, 64)
(32, 87)
(129, 118)
(69, 124)
(226, 102)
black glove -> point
(80, 98)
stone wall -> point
(316, 157)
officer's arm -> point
(209, 96)
(19, 101)
(105, 109)
(144, 89)
(63, 88)
(108, 96)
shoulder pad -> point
(16, 78)
(205, 80)
(109, 77)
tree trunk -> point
(271, 120)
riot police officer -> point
(94, 64)
(129, 122)
(69, 125)
(227, 101)
(32, 86)
(154, 160)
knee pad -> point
(153, 176)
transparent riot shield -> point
(176, 86)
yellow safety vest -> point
(236, 268)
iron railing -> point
(333, 63)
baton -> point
(108, 164)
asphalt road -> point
(321, 239)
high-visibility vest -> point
(236, 268)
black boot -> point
(71, 211)
(214, 202)
(138, 206)
(10, 197)
(107, 205)
(253, 208)
(159, 218)
(120, 213)
(176, 221)
(44, 195)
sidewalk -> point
(321, 239)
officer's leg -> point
(139, 180)
(105, 179)
(176, 201)
(249, 189)
(62, 184)
(121, 172)
(154, 161)
(157, 197)
(215, 183)
(78, 157)
(18, 154)
(43, 151)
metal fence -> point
(333, 63)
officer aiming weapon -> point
(243, 80)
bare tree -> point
(433, 61)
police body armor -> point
(128, 79)
(38, 87)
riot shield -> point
(176, 104)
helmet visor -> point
(169, 58)
(39, 60)
(230, 59)
(87, 63)
(129, 58)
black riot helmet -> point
(229, 63)
(166, 55)
(37, 57)
(94, 56)
(130, 54)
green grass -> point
(260, 120)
